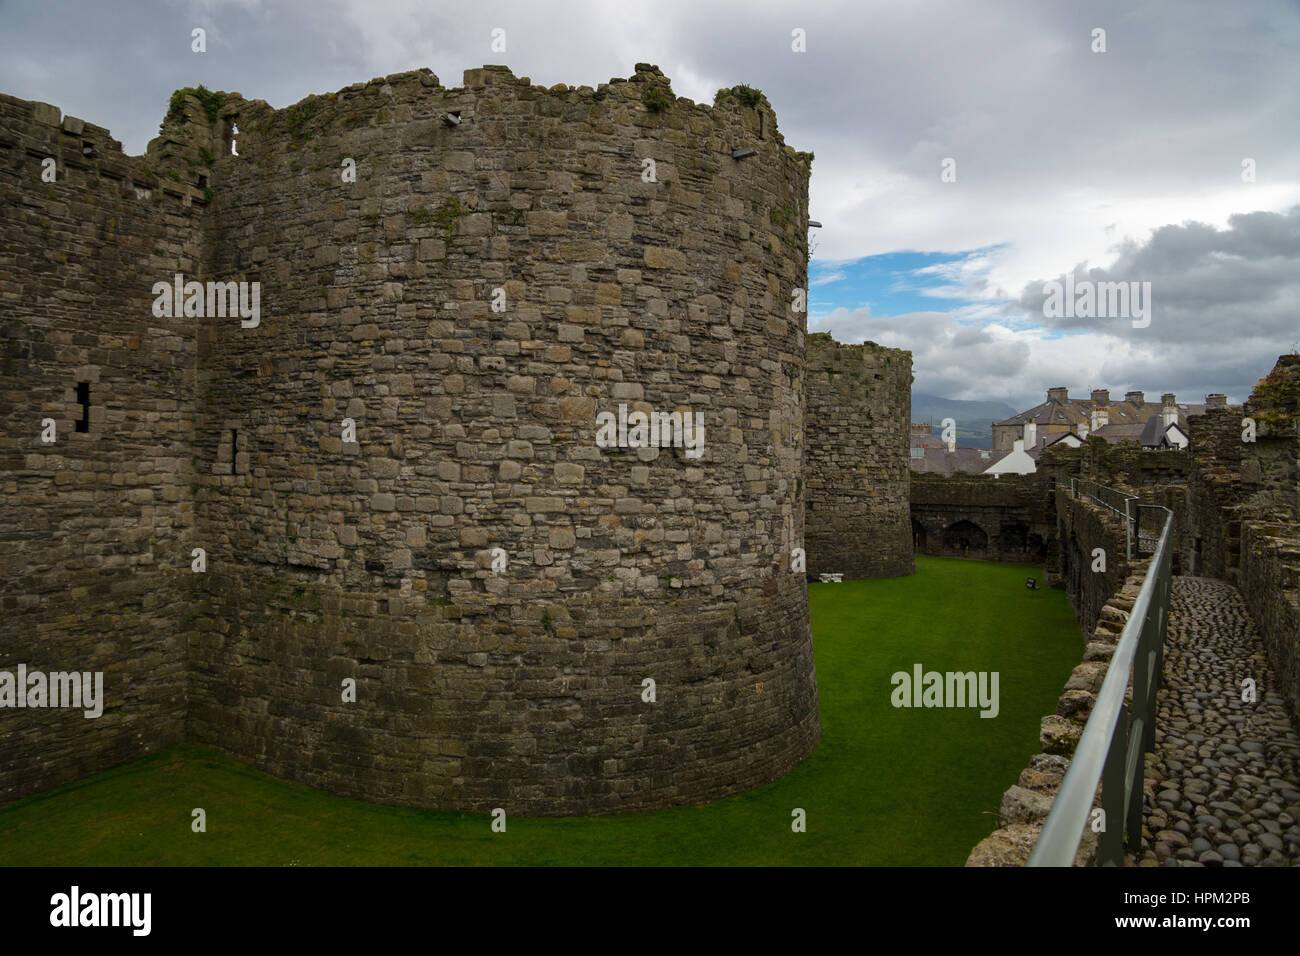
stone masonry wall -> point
(981, 516)
(476, 431)
(857, 478)
(1082, 528)
(1246, 494)
(1215, 491)
(1270, 584)
(95, 526)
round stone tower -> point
(859, 402)
(437, 574)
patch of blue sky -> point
(898, 283)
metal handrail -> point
(1111, 748)
(1120, 502)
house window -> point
(83, 399)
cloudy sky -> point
(1118, 166)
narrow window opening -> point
(235, 468)
(83, 399)
(203, 181)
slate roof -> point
(943, 462)
(1153, 436)
(928, 441)
(1075, 410)
(1154, 432)
(1044, 440)
(1118, 433)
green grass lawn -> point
(885, 787)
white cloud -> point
(1063, 156)
(828, 278)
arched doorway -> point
(1013, 538)
(965, 538)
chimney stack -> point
(1101, 396)
(1168, 399)
(1058, 394)
(1135, 398)
(1216, 400)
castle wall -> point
(1082, 528)
(1214, 491)
(1270, 584)
(980, 516)
(857, 478)
(96, 526)
(1245, 497)
(476, 430)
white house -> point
(1162, 432)
(1015, 462)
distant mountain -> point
(974, 419)
(936, 407)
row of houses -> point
(1018, 441)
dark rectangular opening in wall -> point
(234, 454)
(203, 181)
(83, 399)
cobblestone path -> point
(1222, 783)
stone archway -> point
(1036, 548)
(965, 538)
(1013, 538)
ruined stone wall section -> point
(96, 527)
(476, 431)
(857, 478)
(1010, 513)
(1270, 583)
(1082, 528)
(1215, 491)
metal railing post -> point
(1128, 530)
(1110, 845)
